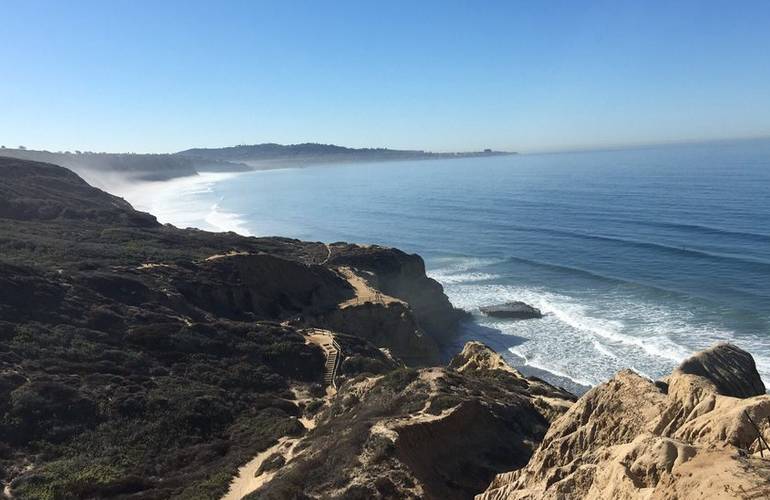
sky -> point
(150, 76)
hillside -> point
(138, 360)
(123, 167)
(274, 155)
(111, 169)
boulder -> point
(476, 356)
(731, 370)
(512, 310)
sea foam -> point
(186, 202)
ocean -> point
(637, 257)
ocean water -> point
(637, 257)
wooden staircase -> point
(330, 368)
(333, 353)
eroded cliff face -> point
(437, 433)
(402, 276)
(696, 435)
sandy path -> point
(246, 481)
(364, 293)
(231, 253)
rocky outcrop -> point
(260, 286)
(391, 326)
(512, 310)
(433, 433)
(480, 360)
(698, 436)
(731, 370)
(475, 356)
(402, 276)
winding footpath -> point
(249, 478)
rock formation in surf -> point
(512, 310)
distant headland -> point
(155, 167)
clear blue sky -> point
(155, 76)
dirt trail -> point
(364, 292)
(247, 480)
(231, 253)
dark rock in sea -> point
(512, 310)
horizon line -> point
(576, 148)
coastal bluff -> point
(143, 361)
(139, 359)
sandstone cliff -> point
(437, 433)
(697, 435)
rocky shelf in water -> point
(512, 310)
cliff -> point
(138, 359)
(699, 434)
(142, 361)
(440, 432)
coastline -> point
(185, 202)
(472, 331)
(192, 202)
(597, 321)
(231, 366)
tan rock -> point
(629, 439)
(477, 356)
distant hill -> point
(128, 166)
(106, 170)
(271, 154)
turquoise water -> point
(637, 257)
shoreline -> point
(471, 330)
(182, 202)
(151, 196)
(178, 202)
(585, 339)
(166, 200)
